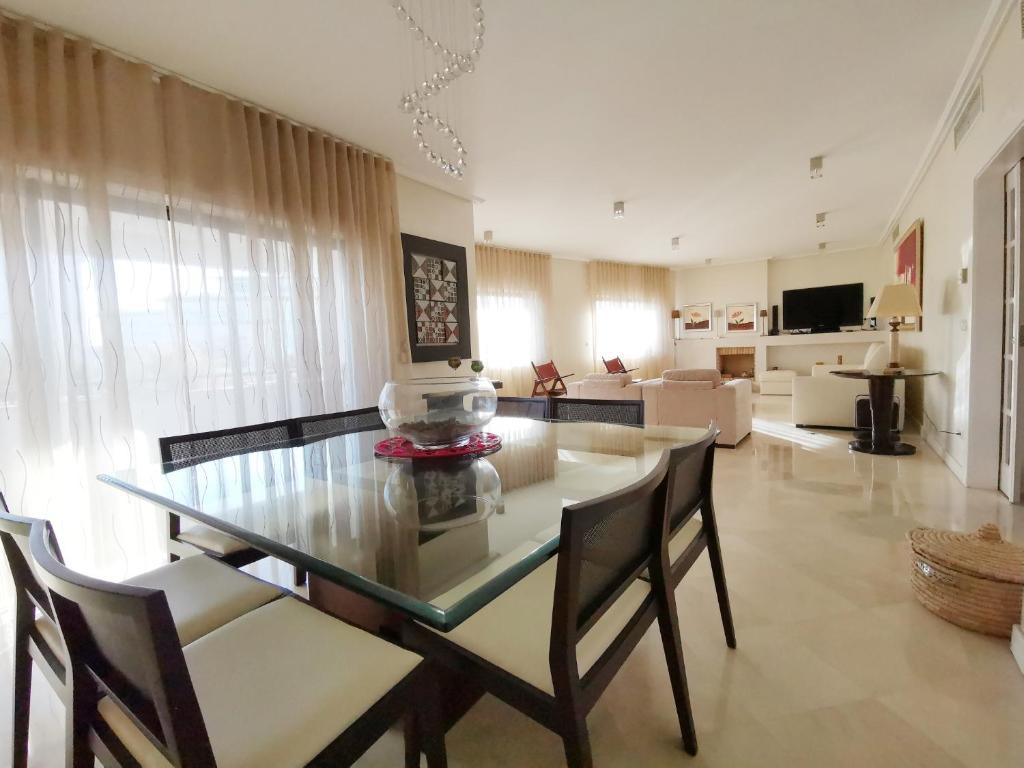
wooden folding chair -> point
(548, 381)
(615, 365)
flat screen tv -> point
(823, 309)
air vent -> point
(968, 115)
(896, 232)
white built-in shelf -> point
(791, 339)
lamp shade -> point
(896, 300)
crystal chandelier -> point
(444, 38)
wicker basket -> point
(974, 580)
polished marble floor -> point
(837, 665)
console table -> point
(880, 391)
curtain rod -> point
(161, 72)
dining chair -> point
(284, 685)
(180, 451)
(628, 412)
(551, 644)
(202, 594)
(341, 423)
(523, 407)
(691, 519)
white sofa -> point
(695, 398)
(824, 400)
(606, 386)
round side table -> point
(880, 391)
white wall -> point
(965, 397)
(429, 212)
(723, 284)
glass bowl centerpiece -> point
(442, 412)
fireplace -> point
(735, 362)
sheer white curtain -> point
(170, 261)
(513, 309)
(631, 306)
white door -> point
(1010, 439)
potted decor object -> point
(974, 580)
(440, 412)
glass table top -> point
(434, 539)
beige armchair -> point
(606, 386)
(695, 398)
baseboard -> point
(1017, 645)
(936, 441)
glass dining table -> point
(434, 540)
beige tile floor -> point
(836, 665)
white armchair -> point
(695, 398)
(824, 400)
(606, 386)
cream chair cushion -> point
(277, 686)
(675, 384)
(204, 594)
(513, 631)
(201, 593)
(211, 540)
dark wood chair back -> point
(122, 642)
(185, 450)
(341, 423)
(523, 407)
(14, 540)
(690, 469)
(605, 545)
(628, 412)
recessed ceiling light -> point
(675, 243)
(488, 235)
(817, 163)
(819, 220)
(618, 210)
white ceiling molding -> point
(996, 16)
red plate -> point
(480, 444)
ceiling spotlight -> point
(821, 246)
(816, 166)
(707, 261)
(675, 243)
(619, 210)
(819, 220)
(488, 235)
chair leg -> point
(718, 571)
(668, 625)
(300, 577)
(410, 727)
(429, 727)
(22, 694)
(576, 740)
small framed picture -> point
(741, 318)
(697, 319)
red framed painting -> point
(909, 263)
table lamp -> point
(893, 303)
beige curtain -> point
(513, 311)
(631, 307)
(171, 261)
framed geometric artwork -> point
(697, 319)
(909, 263)
(436, 299)
(741, 318)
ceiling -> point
(700, 115)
